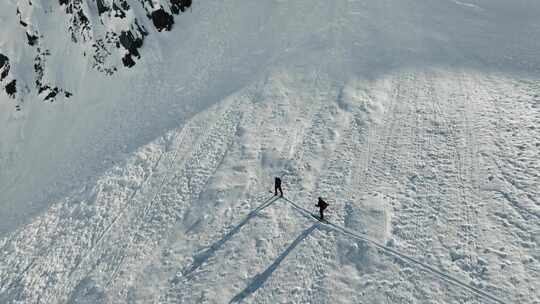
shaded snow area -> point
(417, 121)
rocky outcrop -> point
(132, 41)
(129, 41)
(32, 39)
(109, 32)
(79, 25)
(47, 91)
(162, 14)
(178, 6)
(163, 21)
(11, 87)
(4, 67)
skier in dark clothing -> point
(277, 186)
(322, 205)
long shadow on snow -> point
(202, 257)
(261, 278)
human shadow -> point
(259, 279)
(203, 256)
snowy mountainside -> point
(418, 121)
(189, 217)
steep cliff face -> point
(106, 35)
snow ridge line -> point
(440, 274)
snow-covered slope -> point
(59, 60)
(416, 120)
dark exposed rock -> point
(162, 20)
(101, 7)
(21, 22)
(119, 12)
(79, 24)
(141, 29)
(39, 69)
(131, 40)
(82, 17)
(128, 61)
(3, 60)
(130, 43)
(101, 53)
(124, 5)
(11, 88)
(178, 6)
(52, 94)
(43, 89)
(4, 67)
(103, 41)
(32, 39)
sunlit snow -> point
(417, 121)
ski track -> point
(306, 149)
(55, 237)
(189, 218)
(93, 252)
(388, 250)
(124, 230)
(194, 174)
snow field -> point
(416, 120)
(409, 161)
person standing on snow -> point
(322, 205)
(277, 186)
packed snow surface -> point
(417, 121)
